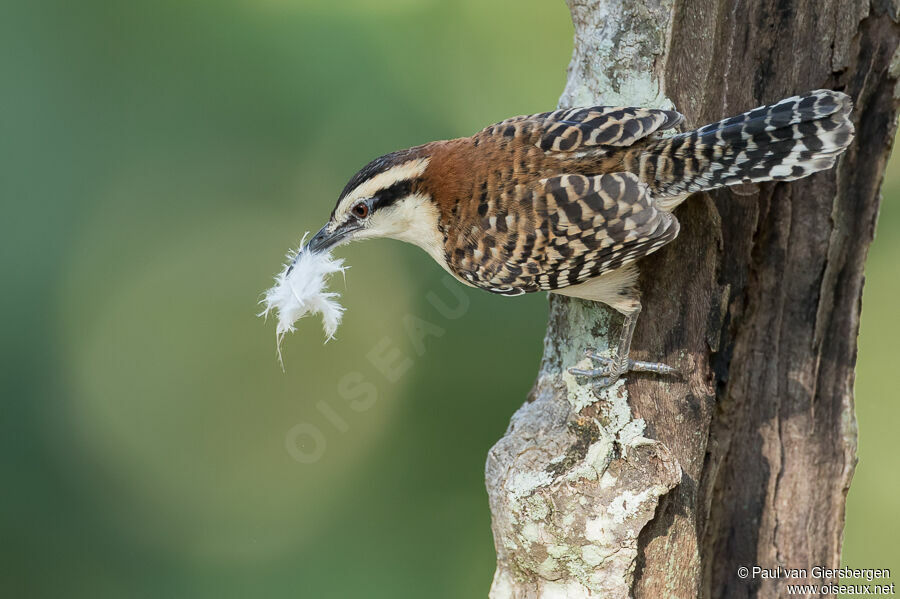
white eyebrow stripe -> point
(407, 170)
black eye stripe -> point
(389, 195)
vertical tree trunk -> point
(664, 488)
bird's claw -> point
(607, 372)
(610, 369)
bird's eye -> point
(360, 210)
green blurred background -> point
(158, 159)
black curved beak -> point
(324, 240)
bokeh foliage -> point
(158, 159)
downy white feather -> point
(300, 290)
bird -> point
(569, 201)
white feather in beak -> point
(300, 290)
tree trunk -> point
(664, 488)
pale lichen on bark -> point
(571, 492)
(619, 53)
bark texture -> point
(664, 488)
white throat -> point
(414, 219)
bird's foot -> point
(610, 369)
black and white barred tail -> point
(780, 142)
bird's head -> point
(387, 198)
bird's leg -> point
(611, 369)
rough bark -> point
(663, 488)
